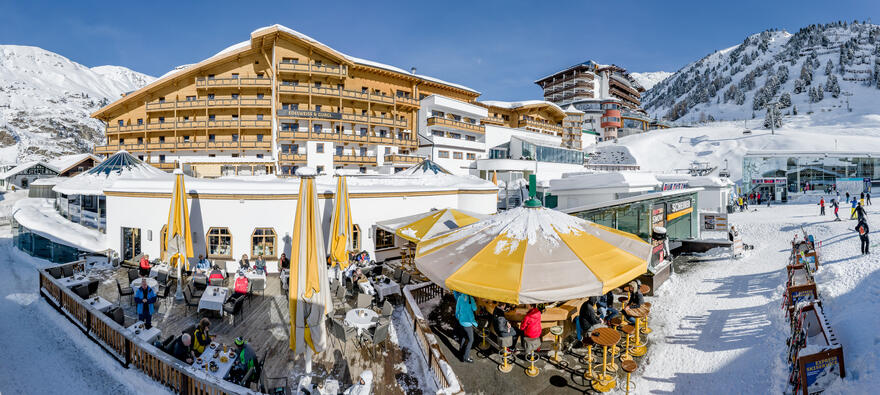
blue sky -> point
(496, 47)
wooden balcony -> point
(161, 126)
(354, 160)
(313, 69)
(247, 102)
(124, 129)
(164, 165)
(399, 158)
(224, 124)
(336, 117)
(451, 123)
(343, 137)
(525, 122)
(348, 94)
(294, 158)
(241, 82)
(161, 146)
(248, 144)
(255, 123)
(185, 125)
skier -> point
(863, 230)
(852, 212)
(868, 195)
(836, 208)
(739, 202)
(860, 213)
(822, 206)
(759, 197)
(847, 197)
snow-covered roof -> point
(572, 110)
(64, 163)
(696, 181)
(622, 179)
(49, 181)
(40, 217)
(512, 105)
(120, 165)
(24, 166)
(425, 167)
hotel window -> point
(363, 131)
(317, 107)
(234, 117)
(234, 138)
(364, 89)
(317, 84)
(140, 121)
(140, 140)
(212, 155)
(435, 113)
(340, 86)
(161, 158)
(161, 139)
(387, 150)
(316, 128)
(234, 75)
(363, 112)
(362, 170)
(235, 96)
(290, 60)
(219, 243)
(471, 156)
(456, 155)
(161, 100)
(212, 117)
(259, 117)
(161, 119)
(363, 151)
(140, 157)
(186, 118)
(318, 63)
(185, 139)
(259, 95)
(384, 239)
(320, 169)
(295, 127)
(234, 155)
(339, 151)
(121, 123)
(470, 138)
(260, 137)
(294, 148)
(438, 133)
(455, 135)
(263, 242)
(356, 234)
(210, 76)
(211, 137)
(319, 148)
(443, 154)
(210, 96)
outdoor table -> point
(213, 298)
(638, 349)
(99, 303)
(384, 289)
(361, 319)
(152, 283)
(162, 267)
(605, 337)
(75, 281)
(146, 335)
(207, 356)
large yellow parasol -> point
(340, 226)
(178, 239)
(423, 226)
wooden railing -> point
(130, 351)
(460, 125)
(442, 372)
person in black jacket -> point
(636, 299)
(860, 213)
(863, 230)
(587, 317)
(501, 325)
(604, 307)
(182, 349)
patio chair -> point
(133, 274)
(341, 333)
(162, 279)
(82, 291)
(379, 336)
(193, 291)
(125, 291)
(364, 301)
(200, 282)
(387, 309)
(233, 307)
(217, 282)
(93, 287)
(258, 284)
(55, 272)
(405, 278)
(397, 273)
(163, 295)
(117, 315)
(191, 301)
(67, 270)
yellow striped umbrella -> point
(416, 228)
(309, 285)
(533, 255)
(340, 226)
(178, 238)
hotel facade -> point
(275, 102)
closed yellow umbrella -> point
(495, 177)
(309, 286)
(178, 238)
(340, 226)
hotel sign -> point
(310, 114)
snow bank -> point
(622, 179)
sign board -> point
(714, 221)
(674, 186)
(658, 218)
(678, 209)
(772, 180)
(822, 368)
(310, 114)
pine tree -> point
(793, 110)
(773, 117)
(785, 100)
(798, 86)
(829, 67)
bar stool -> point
(484, 345)
(556, 331)
(616, 322)
(588, 359)
(628, 330)
(532, 346)
(645, 329)
(506, 343)
(605, 337)
(629, 367)
(638, 349)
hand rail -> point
(445, 377)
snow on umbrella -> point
(309, 285)
(419, 227)
(178, 238)
(533, 255)
(340, 226)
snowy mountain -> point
(649, 79)
(46, 99)
(818, 69)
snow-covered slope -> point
(46, 99)
(819, 67)
(649, 79)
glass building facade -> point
(543, 153)
(677, 213)
(814, 169)
(41, 247)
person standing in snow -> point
(759, 197)
(847, 197)
(860, 213)
(739, 202)
(868, 196)
(465, 306)
(821, 206)
(836, 208)
(863, 230)
(862, 196)
(852, 212)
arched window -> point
(219, 243)
(263, 243)
(355, 237)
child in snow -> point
(836, 208)
(822, 206)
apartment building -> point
(601, 92)
(452, 133)
(272, 103)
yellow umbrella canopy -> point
(309, 285)
(419, 227)
(178, 238)
(533, 255)
(340, 226)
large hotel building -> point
(272, 103)
(607, 95)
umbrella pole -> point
(178, 294)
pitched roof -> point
(24, 166)
(64, 163)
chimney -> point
(413, 70)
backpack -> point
(861, 230)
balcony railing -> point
(249, 144)
(400, 158)
(339, 71)
(337, 116)
(460, 125)
(348, 94)
(128, 128)
(202, 103)
(354, 159)
(287, 157)
(523, 122)
(205, 82)
(345, 137)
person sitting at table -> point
(145, 266)
(604, 307)
(182, 349)
(146, 298)
(284, 266)
(636, 299)
(245, 359)
(202, 336)
(363, 386)
(587, 318)
(241, 284)
(260, 264)
(203, 265)
(530, 328)
(244, 263)
(501, 325)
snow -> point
(24, 166)
(649, 79)
(517, 104)
(46, 353)
(718, 323)
(611, 154)
(40, 217)
(306, 172)
(621, 179)
(94, 184)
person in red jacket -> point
(145, 266)
(530, 327)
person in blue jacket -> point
(146, 298)
(465, 306)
